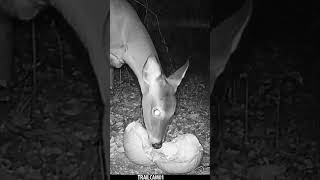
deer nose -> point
(157, 145)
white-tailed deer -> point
(130, 43)
(224, 40)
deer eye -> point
(156, 112)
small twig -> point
(278, 118)
(101, 157)
(246, 111)
(156, 16)
(34, 68)
(147, 7)
(24, 103)
(60, 46)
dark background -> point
(277, 63)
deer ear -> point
(176, 78)
(224, 40)
(151, 70)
